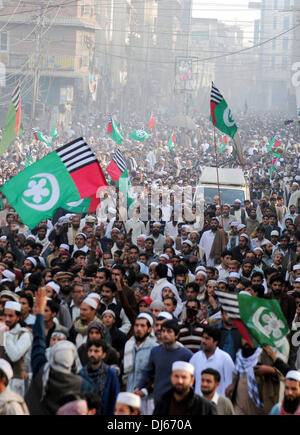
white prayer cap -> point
(234, 224)
(33, 260)
(238, 200)
(12, 305)
(295, 184)
(81, 234)
(294, 375)
(146, 316)
(3, 238)
(109, 312)
(165, 315)
(164, 256)
(297, 280)
(154, 263)
(115, 228)
(182, 365)
(244, 235)
(129, 399)
(234, 275)
(64, 246)
(54, 286)
(157, 224)
(241, 227)
(6, 368)
(188, 242)
(258, 249)
(186, 227)
(94, 295)
(91, 302)
(201, 272)
(296, 267)
(143, 236)
(275, 233)
(9, 275)
(200, 268)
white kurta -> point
(220, 361)
(206, 242)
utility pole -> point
(37, 61)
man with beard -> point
(136, 355)
(159, 239)
(64, 315)
(227, 218)
(252, 222)
(181, 399)
(210, 380)
(287, 302)
(238, 212)
(290, 404)
(15, 343)
(247, 269)
(64, 280)
(267, 259)
(255, 388)
(239, 252)
(213, 242)
(119, 244)
(73, 230)
(104, 378)
(161, 359)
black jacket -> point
(196, 405)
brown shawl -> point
(218, 246)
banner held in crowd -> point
(13, 126)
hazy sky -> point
(229, 11)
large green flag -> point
(221, 115)
(264, 320)
(139, 135)
(61, 177)
(40, 189)
(13, 126)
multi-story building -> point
(49, 47)
(275, 56)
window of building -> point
(274, 23)
(286, 22)
(275, 4)
(285, 44)
(284, 62)
(273, 61)
(3, 41)
(274, 44)
(287, 4)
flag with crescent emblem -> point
(66, 175)
(260, 321)
(222, 119)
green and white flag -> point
(40, 189)
(139, 135)
(54, 181)
(171, 142)
(39, 136)
(264, 320)
(222, 119)
(54, 132)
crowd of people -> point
(116, 313)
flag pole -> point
(218, 184)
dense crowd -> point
(114, 312)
